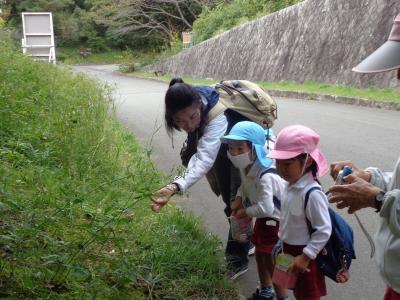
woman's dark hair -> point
(179, 96)
(175, 80)
(313, 168)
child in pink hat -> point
(301, 163)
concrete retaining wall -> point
(317, 40)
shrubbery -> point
(226, 16)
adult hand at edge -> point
(355, 195)
(335, 168)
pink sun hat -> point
(295, 140)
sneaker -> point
(238, 271)
(257, 296)
(252, 250)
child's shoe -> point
(252, 250)
(258, 296)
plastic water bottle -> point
(339, 179)
(343, 173)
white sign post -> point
(38, 40)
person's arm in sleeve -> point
(265, 203)
(390, 209)
(379, 178)
(318, 214)
(207, 151)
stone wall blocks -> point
(318, 40)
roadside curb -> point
(316, 97)
(337, 99)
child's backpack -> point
(335, 259)
(246, 98)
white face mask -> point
(240, 161)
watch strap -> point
(379, 200)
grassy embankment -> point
(371, 93)
(74, 200)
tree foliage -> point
(100, 24)
(162, 19)
(141, 24)
(225, 16)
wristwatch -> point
(379, 200)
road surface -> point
(369, 137)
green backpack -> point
(246, 98)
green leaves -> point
(228, 15)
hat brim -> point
(385, 58)
(317, 155)
(231, 137)
(280, 154)
(262, 156)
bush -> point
(226, 16)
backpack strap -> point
(269, 171)
(277, 202)
(212, 96)
(218, 109)
(310, 229)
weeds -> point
(74, 200)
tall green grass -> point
(74, 200)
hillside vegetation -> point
(226, 15)
(137, 25)
(74, 199)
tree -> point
(165, 18)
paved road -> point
(364, 135)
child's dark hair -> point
(313, 168)
(249, 144)
(179, 96)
